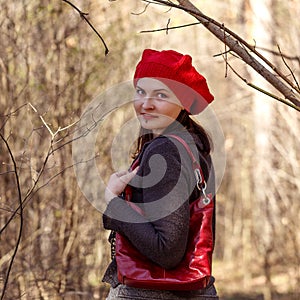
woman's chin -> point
(147, 124)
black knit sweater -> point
(164, 187)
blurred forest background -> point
(51, 67)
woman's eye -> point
(140, 92)
(162, 96)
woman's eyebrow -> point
(156, 90)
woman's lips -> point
(148, 116)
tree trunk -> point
(262, 112)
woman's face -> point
(155, 104)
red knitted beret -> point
(176, 71)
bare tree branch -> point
(51, 150)
(30, 193)
(21, 216)
(83, 16)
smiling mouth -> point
(148, 116)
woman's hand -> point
(117, 183)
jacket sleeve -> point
(165, 182)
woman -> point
(168, 89)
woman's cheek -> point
(137, 106)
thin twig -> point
(83, 16)
(293, 58)
(7, 116)
(52, 178)
(42, 119)
(167, 31)
(53, 134)
(291, 71)
(20, 207)
(168, 28)
(21, 216)
(145, 9)
(226, 56)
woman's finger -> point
(121, 173)
(128, 175)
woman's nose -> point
(148, 103)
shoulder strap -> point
(134, 164)
(201, 184)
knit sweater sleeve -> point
(164, 185)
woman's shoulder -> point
(161, 144)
